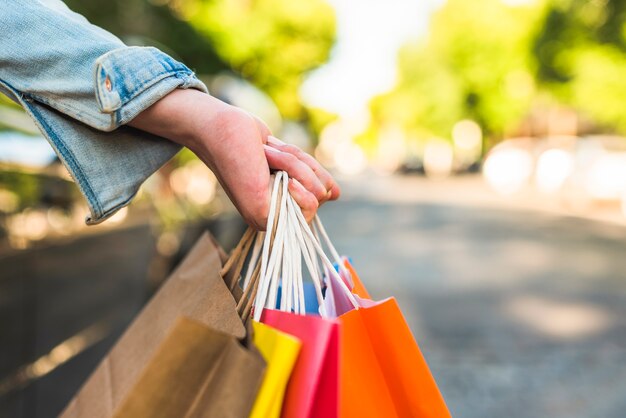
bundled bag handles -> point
(275, 260)
(250, 247)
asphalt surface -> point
(519, 313)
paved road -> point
(519, 313)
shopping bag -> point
(313, 389)
(197, 372)
(383, 372)
(378, 368)
(280, 351)
(276, 283)
(194, 290)
(358, 287)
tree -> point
(273, 43)
(581, 58)
(142, 22)
(475, 63)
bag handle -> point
(332, 273)
(270, 259)
(254, 258)
(294, 242)
(318, 229)
(232, 268)
(251, 244)
(277, 257)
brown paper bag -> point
(195, 290)
(197, 372)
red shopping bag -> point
(313, 390)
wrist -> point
(183, 116)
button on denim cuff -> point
(130, 79)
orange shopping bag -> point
(358, 289)
(382, 370)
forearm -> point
(181, 116)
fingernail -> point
(295, 182)
(268, 148)
(273, 140)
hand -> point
(282, 156)
(235, 146)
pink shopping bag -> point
(313, 390)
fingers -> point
(298, 170)
(305, 199)
(324, 176)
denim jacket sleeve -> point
(81, 85)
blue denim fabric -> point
(81, 85)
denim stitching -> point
(69, 110)
(149, 83)
(173, 68)
(102, 71)
(105, 215)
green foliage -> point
(5, 101)
(185, 156)
(475, 63)
(270, 42)
(26, 186)
(495, 63)
(6, 104)
(581, 57)
(142, 22)
(598, 86)
(428, 99)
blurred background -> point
(480, 148)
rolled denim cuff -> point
(130, 79)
